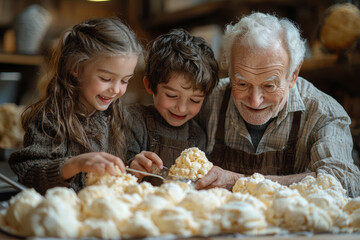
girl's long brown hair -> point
(59, 89)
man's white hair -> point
(259, 31)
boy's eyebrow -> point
(199, 95)
(173, 89)
(170, 88)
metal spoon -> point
(145, 173)
(14, 184)
(163, 174)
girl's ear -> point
(75, 72)
(147, 87)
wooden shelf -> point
(328, 62)
(183, 15)
(337, 77)
(34, 60)
(207, 9)
(318, 63)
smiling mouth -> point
(177, 116)
(255, 109)
(105, 99)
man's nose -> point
(256, 97)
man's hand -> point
(287, 180)
(218, 177)
(144, 161)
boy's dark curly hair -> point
(178, 52)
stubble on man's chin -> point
(252, 120)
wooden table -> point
(354, 236)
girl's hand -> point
(145, 161)
(98, 162)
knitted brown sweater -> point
(139, 138)
(38, 167)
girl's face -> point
(176, 101)
(105, 80)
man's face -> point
(259, 82)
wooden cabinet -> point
(153, 17)
(30, 67)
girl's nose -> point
(115, 88)
(118, 88)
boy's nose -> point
(181, 105)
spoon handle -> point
(144, 173)
(14, 184)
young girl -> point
(78, 124)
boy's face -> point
(105, 80)
(176, 101)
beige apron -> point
(167, 149)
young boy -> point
(180, 72)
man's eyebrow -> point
(271, 78)
(238, 76)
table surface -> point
(326, 236)
(5, 169)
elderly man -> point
(265, 118)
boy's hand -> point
(144, 161)
(98, 162)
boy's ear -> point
(147, 87)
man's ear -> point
(147, 87)
(294, 76)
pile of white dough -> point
(118, 206)
(192, 164)
(11, 131)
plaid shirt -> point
(325, 142)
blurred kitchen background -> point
(29, 29)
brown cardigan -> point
(39, 168)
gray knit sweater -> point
(139, 139)
(37, 167)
